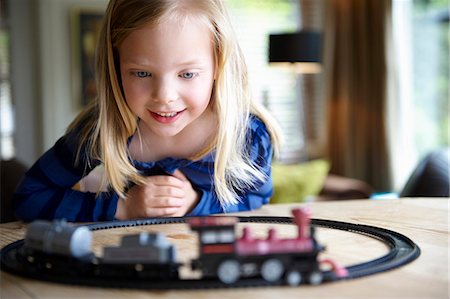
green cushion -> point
(296, 182)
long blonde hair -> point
(108, 122)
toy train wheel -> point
(228, 271)
(315, 277)
(293, 278)
(272, 270)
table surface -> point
(424, 220)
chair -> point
(12, 172)
(431, 176)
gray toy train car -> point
(58, 237)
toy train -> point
(61, 248)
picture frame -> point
(85, 23)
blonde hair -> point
(108, 122)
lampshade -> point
(302, 50)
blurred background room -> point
(370, 117)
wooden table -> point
(424, 220)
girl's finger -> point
(166, 191)
(178, 174)
(166, 202)
(163, 180)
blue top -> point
(46, 189)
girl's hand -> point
(161, 196)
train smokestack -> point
(302, 218)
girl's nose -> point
(164, 92)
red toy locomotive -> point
(223, 255)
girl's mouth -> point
(166, 117)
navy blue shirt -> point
(46, 190)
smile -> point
(166, 117)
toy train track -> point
(402, 250)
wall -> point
(24, 74)
(41, 71)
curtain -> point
(356, 89)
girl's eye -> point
(188, 75)
(142, 74)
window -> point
(277, 88)
(209, 237)
(226, 236)
(430, 75)
(217, 236)
(6, 108)
(420, 108)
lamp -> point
(301, 50)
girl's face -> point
(167, 75)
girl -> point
(173, 126)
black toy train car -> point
(57, 246)
(145, 255)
